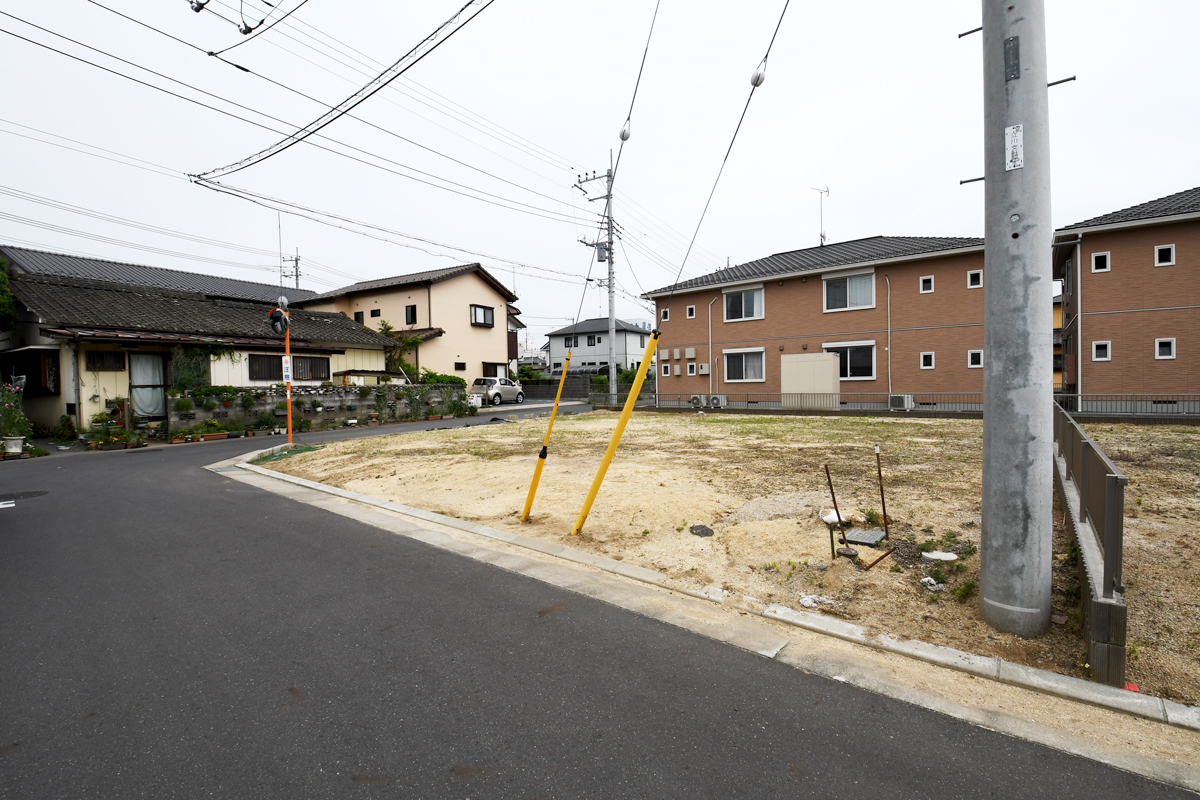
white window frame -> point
(833, 276)
(1170, 263)
(978, 272)
(921, 284)
(664, 315)
(734, 350)
(691, 312)
(762, 305)
(858, 343)
(691, 369)
(1157, 342)
(666, 370)
(974, 366)
(1107, 261)
(1107, 346)
(932, 360)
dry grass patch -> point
(758, 482)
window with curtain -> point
(857, 291)
(747, 304)
(744, 367)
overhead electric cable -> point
(755, 81)
(260, 30)
(180, 175)
(414, 56)
(559, 216)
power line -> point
(180, 175)
(559, 216)
(755, 82)
(261, 30)
(408, 60)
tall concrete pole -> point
(612, 300)
(1018, 379)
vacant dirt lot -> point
(758, 482)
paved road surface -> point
(166, 632)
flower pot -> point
(179, 440)
(212, 437)
(227, 403)
(236, 434)
(13, 444)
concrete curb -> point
(1038, 680)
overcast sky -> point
(879, 101)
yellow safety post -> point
(537, 472)
(616, 437)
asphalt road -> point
(166, 632)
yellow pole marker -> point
(537, 472)
(616, 437)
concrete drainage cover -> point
(860, 536)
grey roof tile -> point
(428, 276)
(840, 254)
(67, 302)
(1186, 202)
(41, 262)
(597, 325)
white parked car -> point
(494, 391)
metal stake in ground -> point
(836, 513)
(882, 500)
(1016, 536)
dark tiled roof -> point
(597, 325)
(429, 276)
(41, 262)
(63, 302)
(1172, 205)
(840, 254)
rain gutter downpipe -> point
(710, 352)
(889, 346)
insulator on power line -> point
(198, 5)
(759, 75)
(625, 132)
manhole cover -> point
(4, 498)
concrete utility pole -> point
(295, 267)
(604, 252)
(1018, 379)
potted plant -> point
(210, 405)
(183, 405)
(247, 401)
(281, 408)
(14, 425)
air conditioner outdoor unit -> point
(703, 368)
(718, 401)
(699, 400)
(900, 402)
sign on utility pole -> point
(1018, 380)
(287, 369)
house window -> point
(691, 369)
(974, 359)
(641, 340)
(974, 279)
(266, 368)
(410, 315)
(358, 317)
(927, 284)
(1100, 262)
(857, 359)
(927, 360)
(665, 314)
(310, 368)
(746, 304)
(375, 312)
(691, 312)
(599, 340)
(482, 316)
(1101, 351)
(592, 341)
(1164, 348)
(1164, 255)
(105, 361)
(856, 291)
(666, 370)
(557, 365)
(460, 366)
(1067, 278)
(743, 366)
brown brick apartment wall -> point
(947, 322)
(1135, 303)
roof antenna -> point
(823, 193)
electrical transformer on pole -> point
(1018, 382)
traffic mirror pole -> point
(287, 354)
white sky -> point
(879, 101)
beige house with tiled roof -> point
(461, 314)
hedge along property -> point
(129, 331)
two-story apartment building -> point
(462, 314)
(587, 342)
(904, 314)
(1131, 300)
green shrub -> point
(266, 420)
(247, 400)
(281, 405)
(364, 392)
(298, 402)
(302, 425)
(183, 405)
(430, 377)
(13, 421)
(210, 405)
